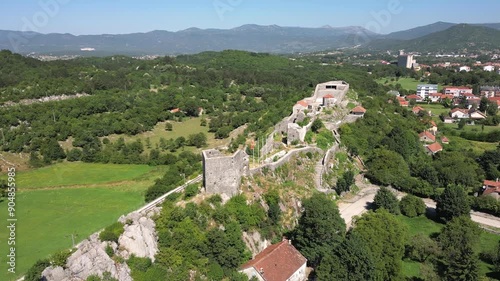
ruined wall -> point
(222, 174)
(285, 159)
(296, 133)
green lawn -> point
(435, 109)
(487, 241)
(406, 83)
(77, 173)
(473, 128)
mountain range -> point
(256, 38)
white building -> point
(424, 90)
(405, 60)
(464, 68)
(489, 68)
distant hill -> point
(419, 31)
(429, 29)
(256, 38)
(460, 37)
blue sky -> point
(126, 16)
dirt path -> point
(361, 203)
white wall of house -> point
(299, 275)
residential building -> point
(491, 188)
(414, 97)
(427, 136)
(495, 99)
(464, 68)
(490, 91)
(417, 109)
(445, 140)
(406, 60)
(477, 115)
(329, 100)
(434, 148)
(459, 113)
(278, 262)
(434, 98)
(457, 91)
(359, 111)
(424, 90)
(433, 127)
(489, 68)
(300, 106)
(403, 102)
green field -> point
(47, 216)
(426, 226)
(179, 129)
(473, 128)
(77, 173)
(406, 83)
(435, 109)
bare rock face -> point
(139, 237)
(90, 258)
(254, 242)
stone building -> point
(221, 173)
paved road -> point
(360, 204)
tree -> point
(387, 200)
(168, 126)
(387, 167)
(492, 109)
(51, 150)
(452, 203)
(316, 125)
(385, 236)
(320, 228)
(422, 248)
(351, 260)
(345, 182)
(458, 241)
(412, 206)
(483, 104)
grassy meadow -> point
(70, 198)
(426, 226)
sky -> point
(128, 16)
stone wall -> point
(284, 159)
(222, 174)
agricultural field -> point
(435, 109)
(185, 128)
(68, 199)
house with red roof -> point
(300, 106)
(433, 148)
(414, 97)
(175, 110)
(457, 91)
(491, 188)
(278, 262)
(417, 109)
(359, 111)
(433, 127)
(445, 140)
(329, 100)
(495, 99)
(402, 102)
(435, 97)
(459, 113)
(427, 136)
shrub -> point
(60, 258)
(139, 264)
(412, 206)
(35, 271)
(191, 190)
(112, 232)
(109, 251)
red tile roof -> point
(433, 124)
(277, 262)
(328, 97)
(303, 103)
(413, 97)
(417, 109)
(434, 148)
(495, 99)
(463, 110)
(444, 139)
(428, 135)
(358, 109)
(488, 183)
(175, 110)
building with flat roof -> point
(424, 90)
(406, 61)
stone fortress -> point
(222, 173)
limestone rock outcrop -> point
(139, 237)
(90, 258)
